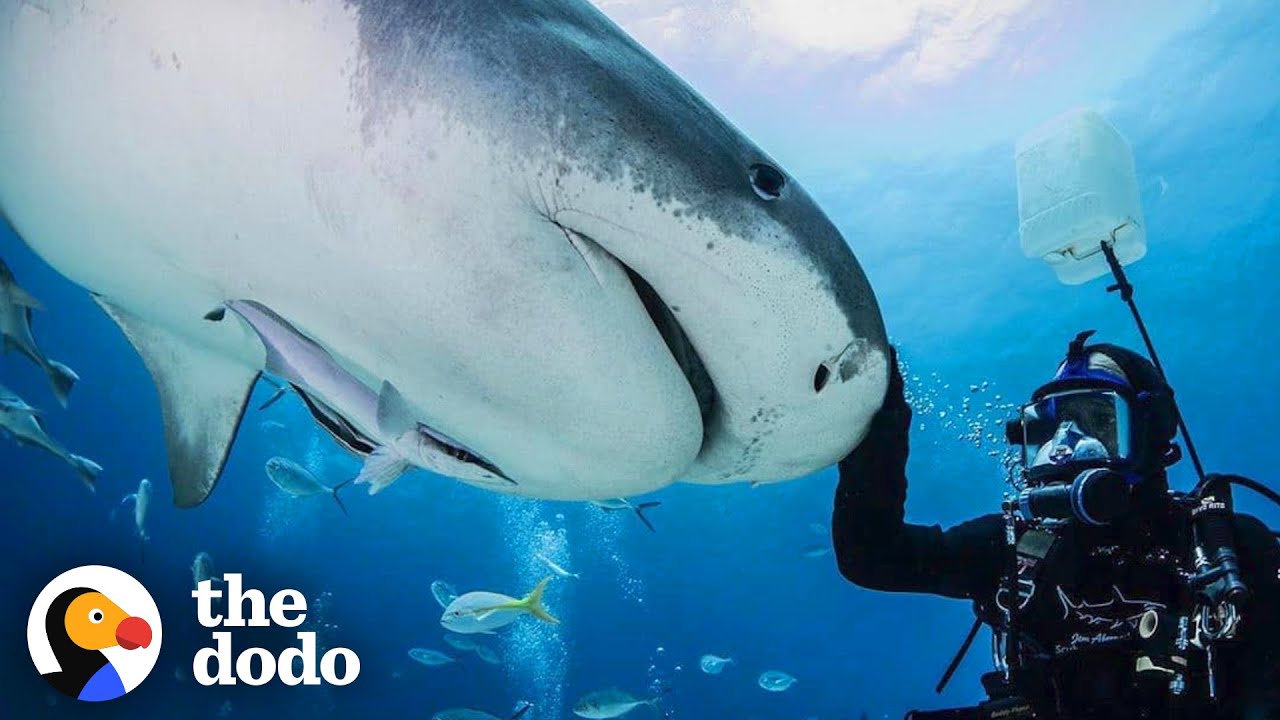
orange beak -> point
(133, 633)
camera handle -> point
(1125, 289)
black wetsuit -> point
(1090, 591)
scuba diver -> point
(1108, 595)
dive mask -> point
(1073, 427)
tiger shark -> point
(556, 252)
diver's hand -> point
(895, 406)
(889, 426)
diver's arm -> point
(1260, 564)
(875, 548)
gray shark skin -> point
(556, 252)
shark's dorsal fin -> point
(202, 395)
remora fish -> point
(23, 422)
(555, 250)
(378, 425)
(16, 305)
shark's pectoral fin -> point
(202, 395)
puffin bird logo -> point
(97, 639)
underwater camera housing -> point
(1077, 186)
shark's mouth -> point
(668, 325)
(677, 343)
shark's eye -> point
(768, 181)
(96, 616)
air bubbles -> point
(971, 414)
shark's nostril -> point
(821, 377)
(768, 181)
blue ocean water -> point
(725, 573)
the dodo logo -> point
(94, 633)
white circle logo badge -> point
(94, 633)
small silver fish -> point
(605, 704)
(814, 551)
(469, 714)
(443, 592)
(713, 664)
(775, 681)
(298, 481)
(430, 658)
(202, 569)
(459, 642)
(485, 653)
(617, 504)
(557, 569)
(141, 500)
(463, 714)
